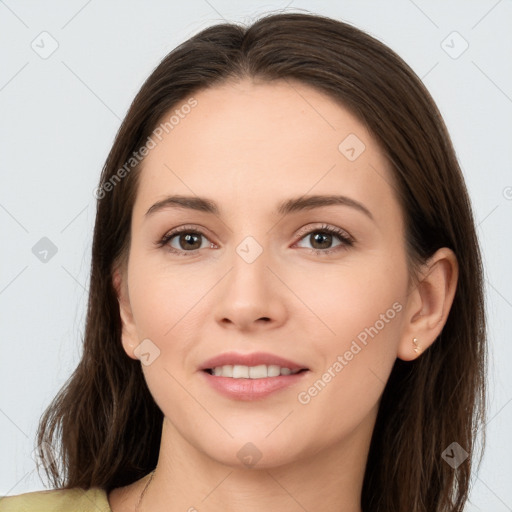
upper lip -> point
(252, 359)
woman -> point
(286, 304)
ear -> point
(129, 336)
(429, 303)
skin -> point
(248, 146)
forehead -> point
(251, 141)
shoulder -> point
(57, 500)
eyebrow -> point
(285, 208)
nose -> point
(251, 296)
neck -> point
(188, 479)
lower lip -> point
(252, 389)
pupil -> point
(189, 240)
(322, 235)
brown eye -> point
(321, 239)
(189, 241)
(184, 240)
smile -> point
(261, 371)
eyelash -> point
(343, 236)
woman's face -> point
(257, 274)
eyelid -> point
(306, 230)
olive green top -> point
(57, 500)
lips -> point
(253, 359)
(244, 376)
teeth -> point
(240, 372)
(261, 371)
(273, 370)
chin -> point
(253, 450)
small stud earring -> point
(417, 347)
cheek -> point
(349, 299)
(162, 296)
(361, 321)
(164, 312)
(163, 306)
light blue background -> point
(59, 116)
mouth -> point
(261, 371)
(256, 365)
(251, 376)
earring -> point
(417, 347)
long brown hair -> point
(105, 417)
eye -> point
(187, 240)
(323, 238)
